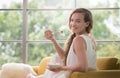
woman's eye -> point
(71, 20)
(78, 21)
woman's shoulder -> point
(81, 37)
(78, 39)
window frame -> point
(24, 41)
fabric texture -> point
(16, 70)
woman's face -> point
(77, 23)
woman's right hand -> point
(49, 34)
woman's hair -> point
(87, 18)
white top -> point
(72, 60)
(90, 53)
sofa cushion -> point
(43, 65)
(97, 74)
(107, 63)
(36, 68)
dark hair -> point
(87, 18)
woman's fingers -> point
(48, 34)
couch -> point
(107, 67)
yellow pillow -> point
(107, 63)
(75, 75)
(35, 68)
(43, 65)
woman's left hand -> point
(55, 69)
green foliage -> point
(39, 21)
(111, 49)
(10, 25)
(10, 52)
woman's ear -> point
(87, 24)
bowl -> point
(54, 65)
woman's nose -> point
(73, 23)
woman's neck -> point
(82, 34)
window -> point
(22, 25)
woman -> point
(79, 53)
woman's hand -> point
(55, 69)
(49, 34)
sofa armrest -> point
(97, 74)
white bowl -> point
(53, 65)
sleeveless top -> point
(72, 60)
(90, 53)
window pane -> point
(10, 52)
(98, 3)
(37, 51)
(39, 21)
(106, 24)
(10, 25)
(54, 4)
(108, 49)
(10, 4)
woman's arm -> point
(80, 51)
(50, 36)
